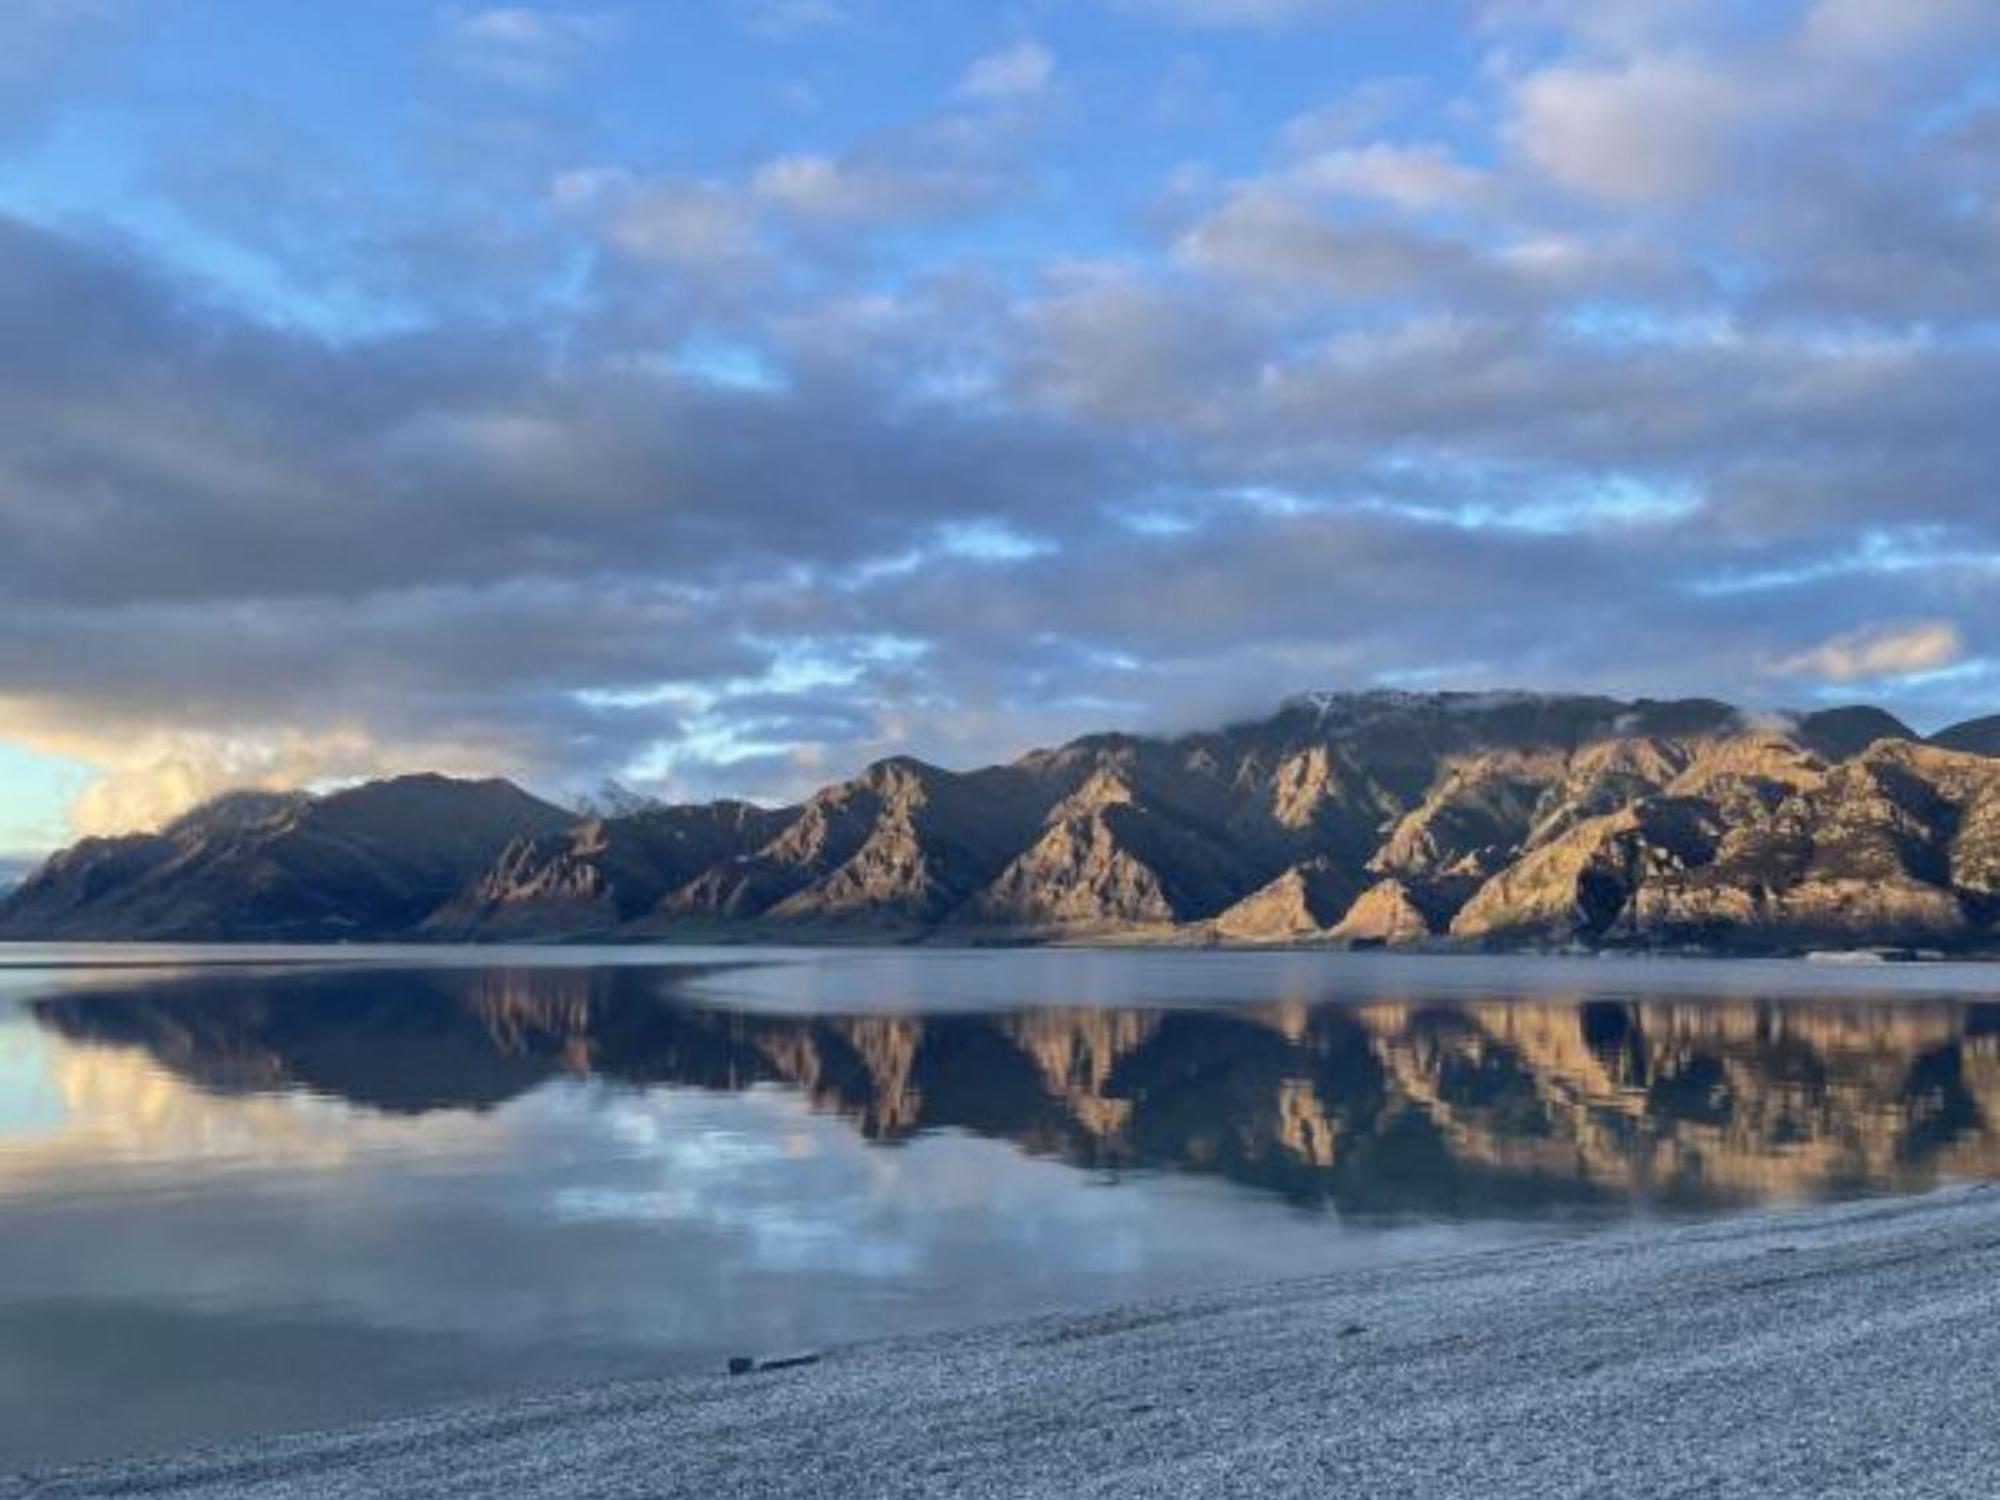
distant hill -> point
(1976, 736)
(1380, 818)
(369, 862)
(1838, 733)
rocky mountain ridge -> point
(1380, 818)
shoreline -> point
(1862, 954)
(1845, 1349)
(1830, 949)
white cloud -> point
(1269, 231)
(811, 183)
(1874, 30)
(690, 226)
(1616, 25)
(1355, 114)
(1657, 127)
(824, 187)
(1408, 177)
(580, 189)
(1011, 73)
(524, 46)
(1879, 651)
(144, 780)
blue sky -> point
(372, 109)
(717, 395)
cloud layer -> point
(1648, 347)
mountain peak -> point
(1848, 730)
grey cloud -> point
(797, 214)
(1123, 349)
(1221, 620)
(816, 187)
(158, 450)
(1270, 233)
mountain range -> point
(1363, 819)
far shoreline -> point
(1177, 940)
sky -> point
(716, 395)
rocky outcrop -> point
(1107, 856)
(1306, 901)
(933, 840)
(1574, 888)
(1372, 818)
(1470, 824)
(1387, 914)
(900, 846)
(1862, 856)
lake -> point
(248, 1190)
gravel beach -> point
(1842, 1351)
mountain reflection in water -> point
(1457, 1108)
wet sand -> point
(1851, 1350)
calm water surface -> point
(245, 1191)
